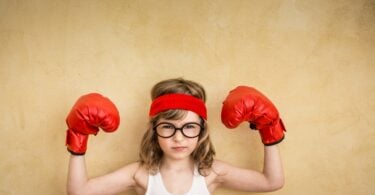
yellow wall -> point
(315, 59)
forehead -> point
(188, 117)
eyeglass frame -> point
(179, 129)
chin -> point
(179, 156)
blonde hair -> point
(151, 153)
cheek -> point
(193, 143)
(163, 143)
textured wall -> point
(315, 59)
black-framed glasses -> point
(167, 130)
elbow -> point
(75, 191)
(71, 191)
(276, 185)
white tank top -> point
(156, 186)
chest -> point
(169, 183)
(176, 183)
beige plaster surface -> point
(315, 60)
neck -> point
(177, 165)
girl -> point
(177, 156)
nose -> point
(178, 136)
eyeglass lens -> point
(167, 130)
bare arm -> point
(112, 183)
(273, 169)
(77, 174)
(270, 179)
(247, 104)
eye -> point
(190, 126)
(167, 126)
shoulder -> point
(220, 167)
(135, 170)
(129, 169)
(140, 175)
(133, 174)
(215, 177)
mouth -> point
(179, 148)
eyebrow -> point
(168, 121)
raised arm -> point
(270, 179)
(246, 104)
(89, 113)
(273, 169)
(77, 174)
(112, 183)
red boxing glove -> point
(247, 104)
(90, 112)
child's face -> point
(178, 146)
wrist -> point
(76, 143)
(75, 153)
(272, 134)
(273, 142)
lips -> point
(179, 148)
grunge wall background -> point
(314, 59)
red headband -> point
(178, 101)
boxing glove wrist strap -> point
(178, 101)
